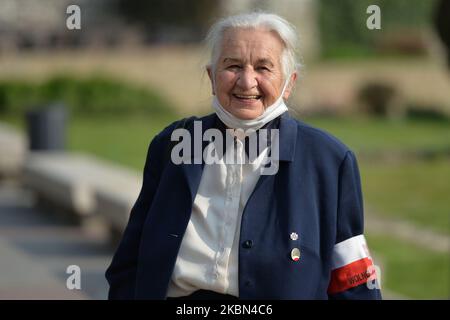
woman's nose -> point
(247, 79)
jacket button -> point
(247, 244)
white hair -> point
(268, 21)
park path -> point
(36, 249)
(408, 232)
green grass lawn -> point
(124, 140)
(102, 134)
(366, 135)
(413, 189)
(418, 191)
(409, 270)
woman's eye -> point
(234, 66)
(263, 68)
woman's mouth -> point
(247, 97)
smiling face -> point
(248, 75)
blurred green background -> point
(385, 93)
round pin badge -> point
(294, 236)
(295, 254)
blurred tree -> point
(380, 99)
(442, 24)
(170, 20)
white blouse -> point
(208, 256)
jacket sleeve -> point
(121, 274)
(353, 274)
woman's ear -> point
(290, 86)
(210, 75)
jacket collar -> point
(288, 137)
(285, 123)
(288, 134)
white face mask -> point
(270, 113)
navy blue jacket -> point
(316, 193)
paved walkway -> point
(36, 248)
(408, 232)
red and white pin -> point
(295, 254)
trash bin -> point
(47, 127)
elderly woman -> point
(228, 229)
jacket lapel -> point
(193, 172)
(287, 143)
